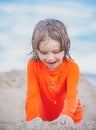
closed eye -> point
(56, 51)
(43, 52)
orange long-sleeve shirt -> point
(51, 93)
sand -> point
(12, 103)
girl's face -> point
(50, 54)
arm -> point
(32, 97)
(71, 98)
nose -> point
(50, 57)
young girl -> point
(52, 76)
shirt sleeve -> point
(71, 99)
(32, 96)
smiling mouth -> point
(51, 62)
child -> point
(52, 76)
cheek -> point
(41, 57)
(61, 55)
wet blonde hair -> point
(54, 29)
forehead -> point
(49, 44)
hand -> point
(66, 120)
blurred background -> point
(18, 18)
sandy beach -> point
(12, 103)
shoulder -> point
(31, 62)
(34, 65)
(72, 65)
